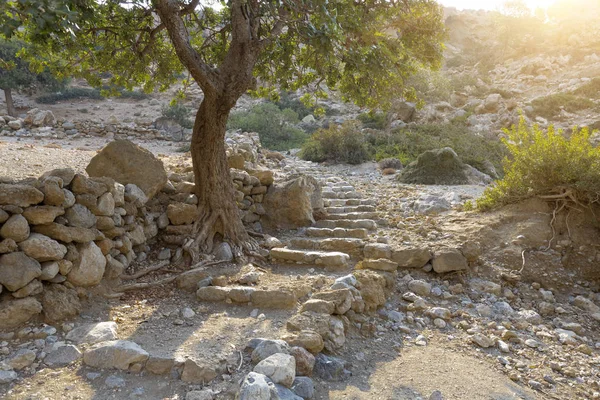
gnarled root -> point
(231, 229)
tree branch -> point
(171, 16)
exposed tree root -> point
(145, 285)
(567, 198)
(145, 271)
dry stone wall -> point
(65, 231)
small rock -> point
(206, 394)
(114, 382)
(482, 341)
(93, 333)
(281, 368)
(420, 287)
(7, 376)
(330, 368)
(62, 355)
(256, 387)
(267, 348)
(436, 395)
(22, 359)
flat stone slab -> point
(368, 224)
(354, 215)
(358, 233)
(328, 259)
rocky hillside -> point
(497, 66)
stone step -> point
(341, 188)
(327, 194)
(368, 224)
(348, 202)
(380, 264)
(265, 298)
(346, 245)
(354, 215)
(349, 209)
(337, 233)
(328, 259)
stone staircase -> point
(336, 243)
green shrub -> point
(550, 106)
(591, 90)
(287, 102)
(407, 144)
(546, 163)
(274, 126)
(344, 143)
(373, 120)
(179, 113)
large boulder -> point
(89, 267)
(16, 312)
(436, 167)
(126, 162)
(290, 204)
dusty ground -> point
(386, 366)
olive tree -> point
(365, 49)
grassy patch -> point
(549, 106)
(591, 90)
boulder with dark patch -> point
(436, 167)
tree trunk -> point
(10, 105)
(219, 213)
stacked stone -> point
(43, 124)
(65, 229)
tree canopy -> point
(365, 49)
(16, 73)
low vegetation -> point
(346, 143)
(87, 93)
(550, 164)
(550, 106)
(276, 127)
(179, 113)
(590, 90)
(407, 144)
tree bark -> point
(10, 105)
(219, 213)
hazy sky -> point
(489, 4)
